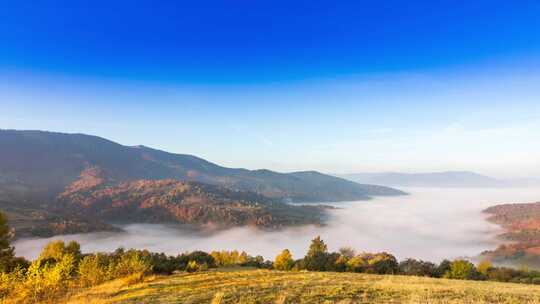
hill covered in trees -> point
(522, 232)
(51, 161)
(183, 202)
(55, 183)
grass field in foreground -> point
(263, 286)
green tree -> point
(316, 258)
(6, 250)
(461, 270)
(284, 261)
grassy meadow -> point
(264, 286)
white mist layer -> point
(430, 224)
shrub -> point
(193, 266)
(129, 263)
(45, 280)
(9, 282)
(93, 269)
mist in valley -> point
(430, 224)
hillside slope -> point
(263, 286)
(184, 202)
(46, 162)
(521, 223)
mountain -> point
(47, 161)
(55, 183)
(434, 179)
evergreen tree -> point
(317, 257)
(317, 246)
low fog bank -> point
(430, 224)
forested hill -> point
(51, 161)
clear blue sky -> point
(345, 86)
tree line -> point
(62, 267)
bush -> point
(193, 266)
(93, 269)
(9, 282)
(129, 263)
(45, 280)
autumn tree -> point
(484, 267)
(284, 261)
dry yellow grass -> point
(262, 286)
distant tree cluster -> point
(61, 267)
(347, 260)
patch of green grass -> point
(263, 286)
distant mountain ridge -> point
(51, 161)
(431, 179)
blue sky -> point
(336, 87)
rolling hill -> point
(56, 183)
(263, 286)
(48, 162)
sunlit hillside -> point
(263, 286)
